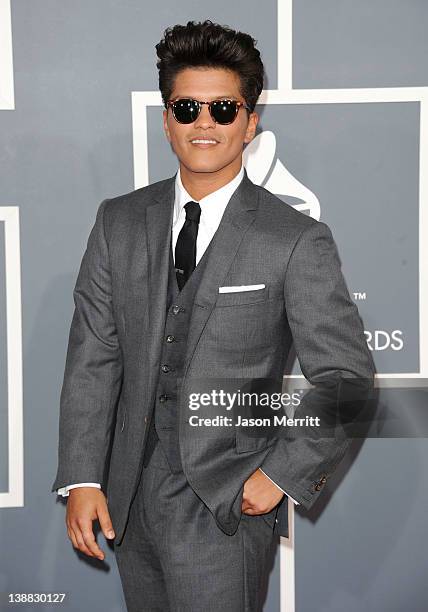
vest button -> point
(163, 397)
(170, 338)
(165, 368)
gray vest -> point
(164, 422)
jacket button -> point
(165, 368)
(176, 309)
(323, 479)
(170, 338)
(145, 420)
(318, 486)
(163, 397)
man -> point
(200, 276)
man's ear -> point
(251, 127)
(165, 125)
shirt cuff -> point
(64, 490)
(293, 500)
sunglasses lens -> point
(186, 110)
(224, 111)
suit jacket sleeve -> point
(330, 344)
(93, 369)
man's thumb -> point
(106, 524)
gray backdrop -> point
(69, 144)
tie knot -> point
(193, 211)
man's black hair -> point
(209, 45)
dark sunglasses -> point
(187, 110)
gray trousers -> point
(174, 557)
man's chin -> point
(201, 167)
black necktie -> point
(185, 249)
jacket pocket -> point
(236, 298)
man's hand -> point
(260, 494)
(84, 505)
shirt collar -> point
(213, 205)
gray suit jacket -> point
(116, 334)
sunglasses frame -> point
(170, 103)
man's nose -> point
(204, 119)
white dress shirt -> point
(212, 208)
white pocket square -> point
(235, 288)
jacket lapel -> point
(238, 216)
(158, 226)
